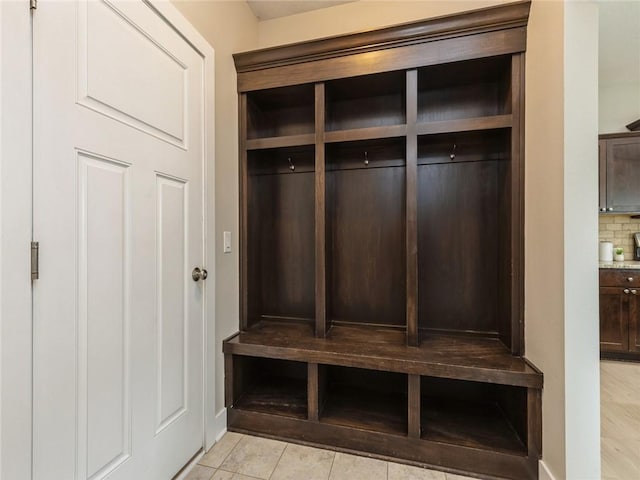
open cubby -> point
(363, 399)
(366, 232)
(366, 101)
(272, 386)
(459, 147)
(462, 90)
(382, 246)
(282, 111)
(462, 232)
(280, 217)
(474, 414)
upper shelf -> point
(465, 125)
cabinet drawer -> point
(614, 278)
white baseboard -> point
(545, 473)
(221, 424)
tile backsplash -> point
(618, 229)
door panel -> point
(118, 211)
(103, 306)
(634, 321)
(172, 274)
(121, 80)
(623, 174)
(614, 319)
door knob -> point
(610, 209)
(199, 274)
(634, 292)
(626, 290)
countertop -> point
(628, 264)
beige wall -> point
(544, 219)
(229, 26)
(358, 16)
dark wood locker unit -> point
(381, 180)
(620, 172)
(620, 314)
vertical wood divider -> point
(313, 392)
(534, 422)
(229, 384)
(517, 205)
(411, 231)
(320, 191)
(244, 192)
(414, 406)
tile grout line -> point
(332, 462)
(230, 451)
(278, 462)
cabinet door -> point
(602, 175)
(614, 319)
(634, 321)
(623, 174)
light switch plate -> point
(227, 242)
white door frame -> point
(16, 229)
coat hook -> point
(453, 152)
(292, 167)
(366, 159)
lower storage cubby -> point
(271, 386)
(428, 407)
(473, 414)
(363, 399)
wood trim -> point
(465, 125)
(606, 136)
(312, 392)
(391, 364)
(451, 26)
(534, 422)
(320, 219)
(276, 142)
(365, 133)
(517, 205)
(501, 42)
(228, 380)
(411, 208)
(634, 126)
(414, 406)
(243, 187)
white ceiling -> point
(268, 9)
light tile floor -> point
(244, 457)
(620, 420)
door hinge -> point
(33, 4)
(35, 260)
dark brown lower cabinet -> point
(479, 411)
(620, 314)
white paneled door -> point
(118, 212)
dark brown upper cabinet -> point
(381, 246)
(620, 314)
(620, 173)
